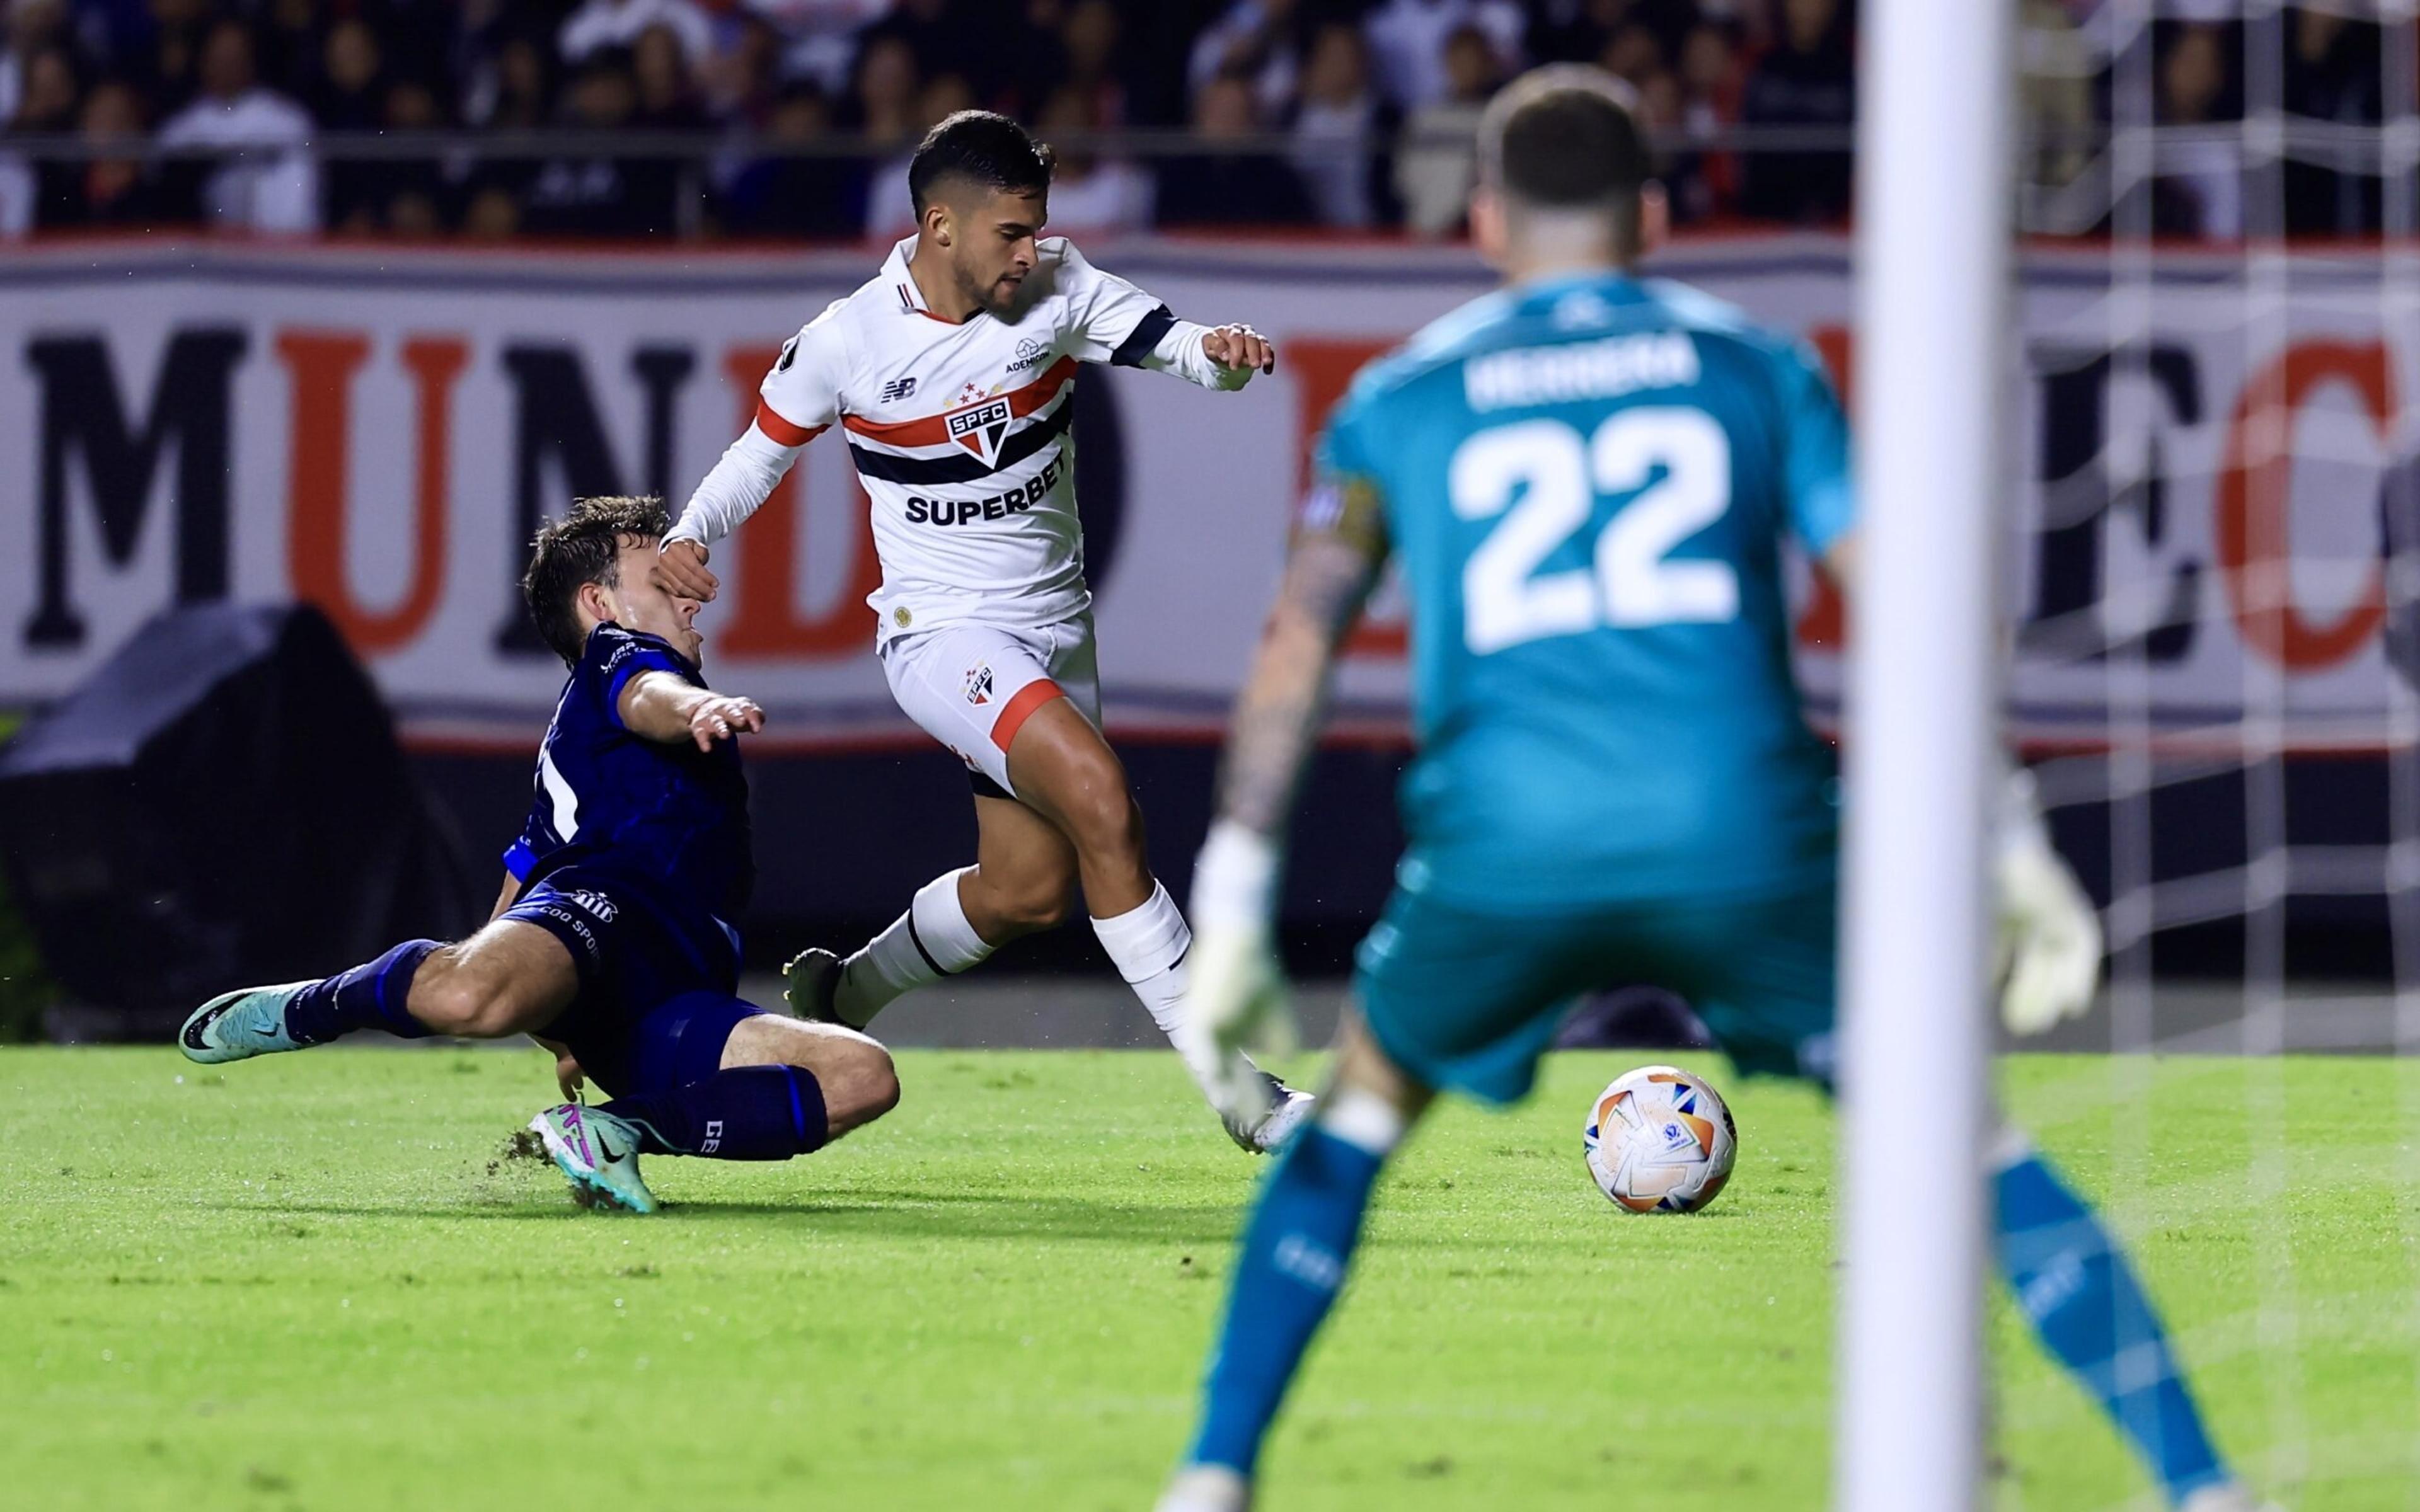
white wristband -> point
(1235, 878)
(2018, 825)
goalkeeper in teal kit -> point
(1585, 480)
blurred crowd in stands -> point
(645, 118)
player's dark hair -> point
(1566, 138)
(982, 146)
(584, 546)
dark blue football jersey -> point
(669, 814)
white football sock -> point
(931, 940)
(1363, 1120)
(1148, 945)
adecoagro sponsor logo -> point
(1030, 353)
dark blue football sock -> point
(747, 1112)
(1291, 1265)
(369, 996)
(2084, 1300)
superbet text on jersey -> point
(960, 430)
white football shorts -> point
(972, 687)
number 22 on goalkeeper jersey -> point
(1587, 484)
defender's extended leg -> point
(509, 979)
(1066, 772)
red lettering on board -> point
(2256, 552)
(1323, 369)
(321, 365)
(765, 618)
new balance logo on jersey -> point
(713, 1140)
(981, 428)
(898, 389)
(979, 683)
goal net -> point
(2211, 570)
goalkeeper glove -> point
(1235, 991)
(2050, 936)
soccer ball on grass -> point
(1660, 1140)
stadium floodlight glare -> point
(1932, 250)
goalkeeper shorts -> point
(1468, 1001)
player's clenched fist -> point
(719, 717)
(1241, 348)
(682, 566)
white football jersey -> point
(961, 432)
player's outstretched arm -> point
(1237, 992)
(748, 470)
(1241, 350)
(661, 707)
(1119, 324)
(1216, 357)
(797, 401)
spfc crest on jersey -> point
(979, 683)
(980, 428)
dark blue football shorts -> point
(659, 981)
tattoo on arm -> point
(1327, 577)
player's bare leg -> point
(1064, 770)
(1074, 823)
(1291, 1263)
(1024, 877)
(508, 978)
(860, 1084)
(1023, 880)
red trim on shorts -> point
(1020, 708)
(771, 423)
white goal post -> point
(1933, 204)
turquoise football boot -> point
(598, 1154)
(238, 1025)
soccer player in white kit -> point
(951, 374)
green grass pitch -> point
(307, 1282)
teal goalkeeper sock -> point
(1291, 1264)
(2074, 1283)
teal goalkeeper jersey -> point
(1587, 483)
